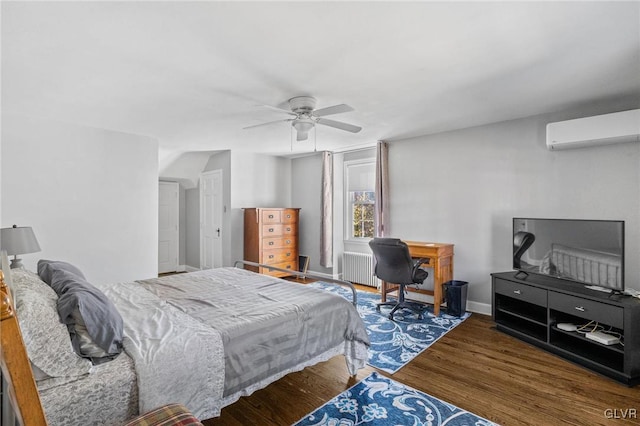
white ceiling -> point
(193, 74)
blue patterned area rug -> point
(395, 343)
(378, 400)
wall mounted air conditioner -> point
(617, 127)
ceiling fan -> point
(305, 116)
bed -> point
(203, 339)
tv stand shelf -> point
(529, 307)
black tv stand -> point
(531, 309)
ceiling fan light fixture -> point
(303, 125)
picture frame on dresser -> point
(303, 263)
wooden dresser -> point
(271, 237)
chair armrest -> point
(420, 261)
(417, 264)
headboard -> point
(16, 368)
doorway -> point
(167, 227)
(211, 210)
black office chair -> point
(521, 242)
(395, 265)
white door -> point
(168, 227)
(211, 208)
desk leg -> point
(383, 290)
(437, 287)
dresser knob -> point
(270, 243)
(270, 229)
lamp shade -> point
(18, 240)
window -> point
(360, 199)
(362, 208)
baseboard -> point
(479, 308)
(181, 268)
(190, 268)
(322, 274)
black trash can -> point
(456, 297)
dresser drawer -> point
(292, 266)
(526, 293)
(278, 242)
(587, 309)
(277, 256)
(271, 216)
(274, 229)
(289, 216)
(289, 229)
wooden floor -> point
(474, 367)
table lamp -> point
(18, 240)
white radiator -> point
(358, 268)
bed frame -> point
(304, 275)
(16, 368)
(25, 407)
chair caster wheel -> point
(378, 308)
(391, 317)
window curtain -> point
(326, 226)
(382, 189)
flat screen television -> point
(590, 252)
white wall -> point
(306, 190)
(464, 187)
(256, 181)
(90, 195)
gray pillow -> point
(45, 337)
(99, 318)
(46, 268)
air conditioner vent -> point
(617, 127)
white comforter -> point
(177, 358)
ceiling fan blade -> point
(268, 123)
(339, 125)
(336, 109)
(280, 110)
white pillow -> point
(46, 338)
(24, 279)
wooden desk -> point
(440, 257)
